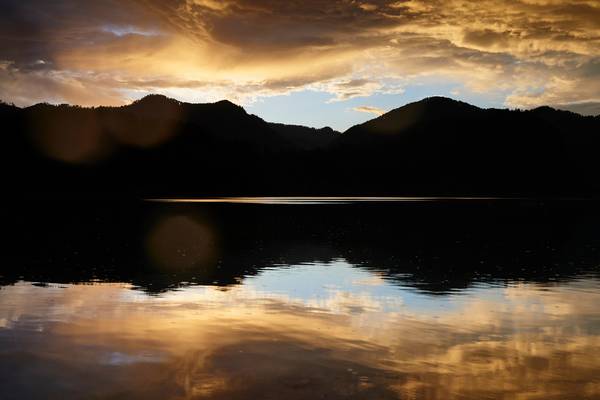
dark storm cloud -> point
(37, 30)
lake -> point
(300, 298)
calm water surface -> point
(290, 302)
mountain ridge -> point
(431, 99)
(160, 146)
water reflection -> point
(320, 200)
(181, 241)
(175, 301)
(308, 331)
(437, 247)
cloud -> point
(584, 108)
(529, 52)
(369, 109)
(486, 38)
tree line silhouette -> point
(158, 146)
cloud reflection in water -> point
(302, 331)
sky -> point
(311, 62)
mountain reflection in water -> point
(422, 301)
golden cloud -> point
(532, 52)
(370, 110)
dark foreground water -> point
(456, 299)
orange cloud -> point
(370, 110)
(532, 52)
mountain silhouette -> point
(158, 146)
(458, 148)
(435, 247)
(306, 138)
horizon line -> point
(134, 101)
(307, 200)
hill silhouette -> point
(158, 146)
(458, 148)
(434, 247)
